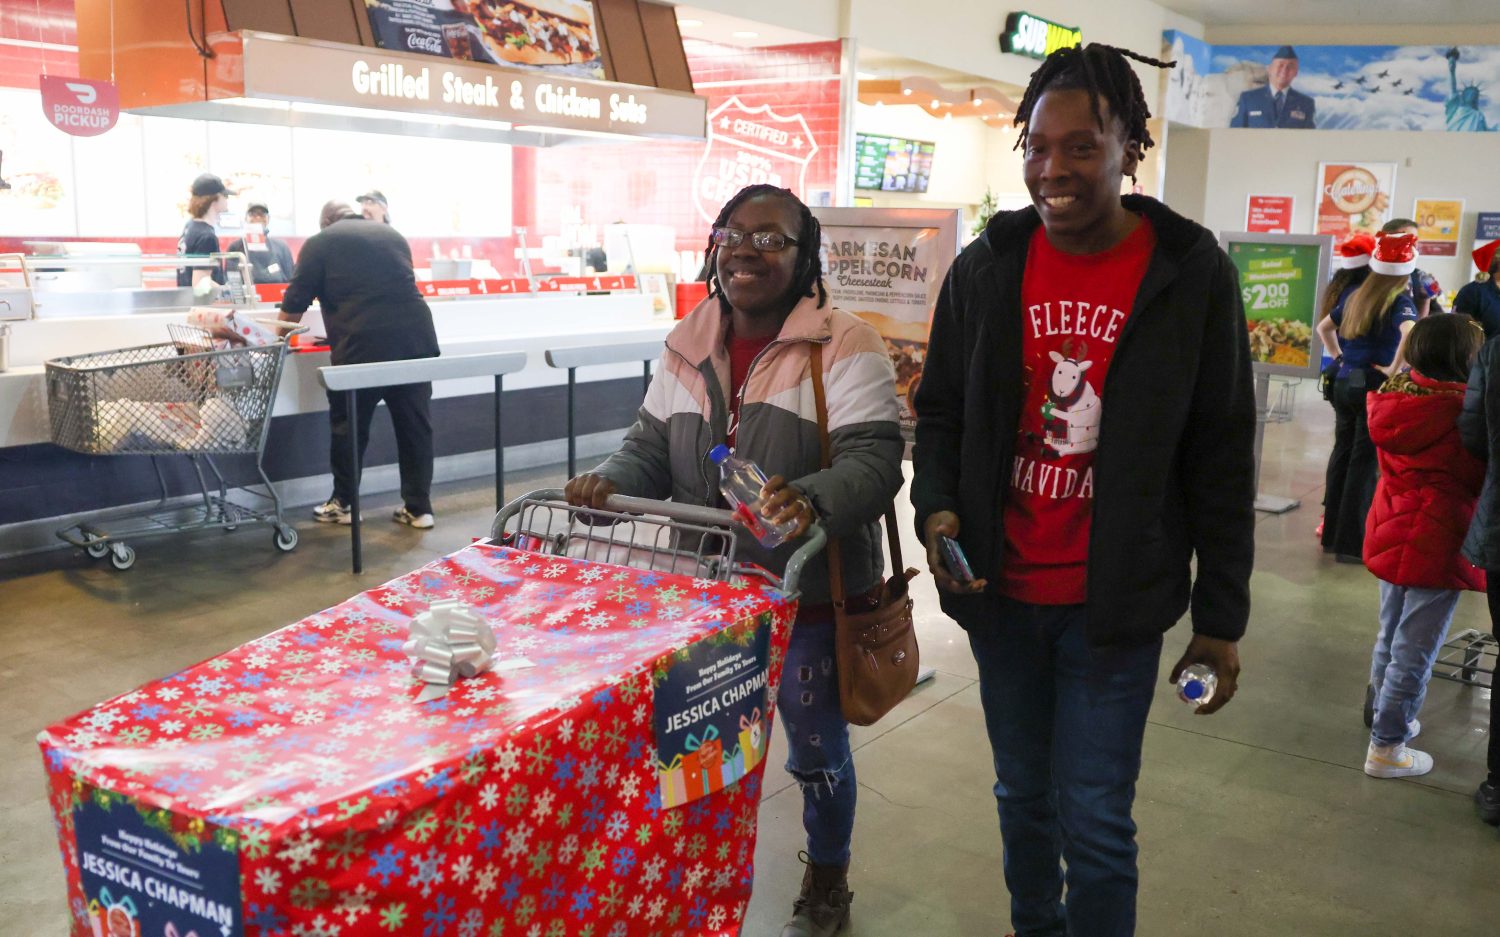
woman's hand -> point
(589, 491)
(784, 504)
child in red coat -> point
(1423, 503)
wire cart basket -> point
(646, 534)
(1467, 657)
(188, 397)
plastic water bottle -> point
(741, 481)
(1197, 684)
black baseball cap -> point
(210, 184)
(254, 207)
(374, 195)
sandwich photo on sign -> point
(548, 35)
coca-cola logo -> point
(432, 45)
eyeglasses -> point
(766, 241)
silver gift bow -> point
(449, 641)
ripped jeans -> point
(818, 736)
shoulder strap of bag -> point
(835, 555)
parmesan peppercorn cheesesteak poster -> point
(551, 35)
(887, 266)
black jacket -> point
(1174, 472)
(1479, 425)
(361, 275)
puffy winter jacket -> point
(1428, 485)
(686, 414)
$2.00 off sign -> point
(1279, 287)
(747, 146)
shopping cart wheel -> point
(286, 539)
(97, 549)
(121, 556)
(1471, 664)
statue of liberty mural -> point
(1462, 107)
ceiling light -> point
(936, 103)
(745, 34)
(906, 91)
(880, 104)
(689, 24)
(979, 102)
(865, 76)
(948, 116)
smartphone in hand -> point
(954, 559)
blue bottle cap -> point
(719, 453)
(1193, 689)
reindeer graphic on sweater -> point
(1072, 410)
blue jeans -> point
(1066, 723)
(1413, 624)
(820, 759)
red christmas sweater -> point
(1074, 309)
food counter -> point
(40, 482)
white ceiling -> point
(694, 23)
(1337, 12)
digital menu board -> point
(891, 164)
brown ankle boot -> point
(822, 909)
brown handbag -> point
(876, 650)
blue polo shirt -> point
(1482, 301)
(1377, 347)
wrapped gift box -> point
(293, 786)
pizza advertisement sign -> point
(1354, 198)
(559, 36)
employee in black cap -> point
(209, 199)
(361, 274)
(1276, 104)
(271, 263)
(375, 207)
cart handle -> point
(812, 542)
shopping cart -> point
(190, 397)
(658, 535)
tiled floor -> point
(1256, 821)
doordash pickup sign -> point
(80, 106)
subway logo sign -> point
(1031, 35)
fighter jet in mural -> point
(1384, 74)
(1337, 85)
(1374, 89)
(1408, 90)
(1396, 83)
(1360, 80)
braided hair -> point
(807, 275)
(1102, 71)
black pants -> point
(412, 420)
(1352, 470)
(1494, 755)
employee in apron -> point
(270, 258)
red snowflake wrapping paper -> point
(519, 805)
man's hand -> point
(784, 504)
(1223, 656)
(945, 524)
(589, 491)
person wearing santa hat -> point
(1481, 298)
(1351, 262)
(1363, 332)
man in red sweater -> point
(1085, 430)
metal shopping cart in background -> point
(642, 533)
(190, 397)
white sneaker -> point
(419, 521)
(1396, 761)
(333, 511)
